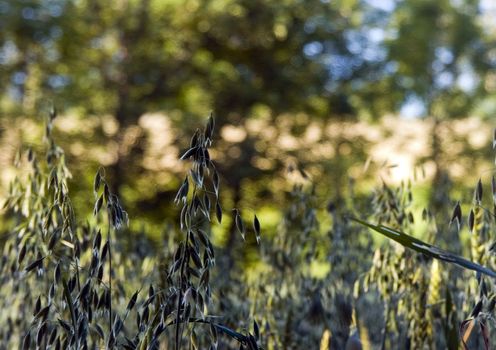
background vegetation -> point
(323, 110)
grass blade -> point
(426, 248)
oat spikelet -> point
(477, 247)
(435, 283)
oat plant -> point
(69, 284)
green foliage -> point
(272, 66)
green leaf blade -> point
(426, 248)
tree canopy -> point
(256, 64)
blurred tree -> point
(247, 60)
(234, 57)
(440, 58)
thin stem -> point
(110, 279)
(385, 326)
(184, 263)
(224, 329)
(179, 297)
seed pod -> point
(30, 154)
(106, 193)
(205, 278)
(256, 330)
(471, 220)
(41, 334)
(425, 215)
(256, 227)
(22, 254)
(209, 130)
(478, 192)
(57, 274)
(98, 240)
(101, 301)
(203, 237)
(85, 290)
(42, 314)
(195, 256)
(239, 223)
(132, 302)
(457, 215)
(145, 314)
(36, 264)
(158, 330)
(98, 205)
(53, 335)
(218, 212)
(189, 153)
(97, 182)
(194, 139)
(37, 306)
(51, 292)
(105, 250)
(117, 325)
(477, 309)
(182, 193)
(108, 299)
(252, 343)
(216, 182)
(99, 331)
(53, 240)
(197, 177)
(65, 325)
